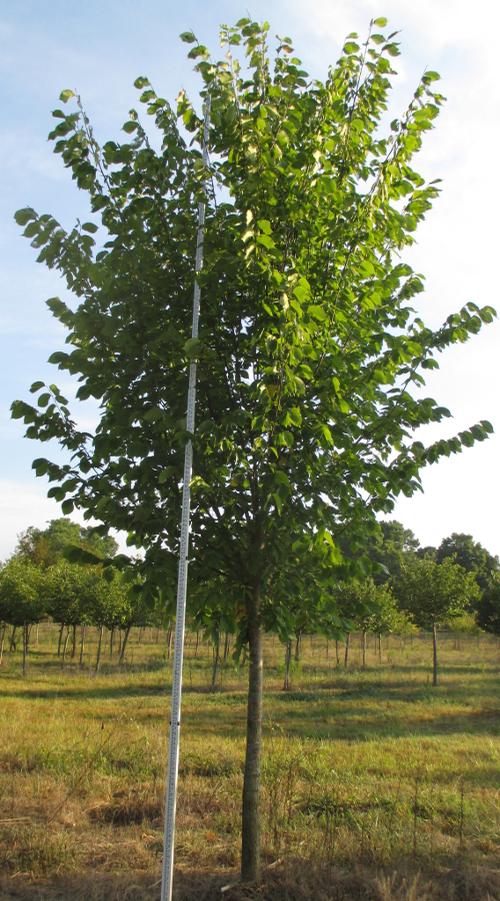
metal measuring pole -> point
(175, 716)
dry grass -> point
(376, 786)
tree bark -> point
(250, 838)
(379, 648)
(111, 640)
(337, 652)
(434, 655)
(82, 645)
(99, 646)
(346, 654)
(73, 645)
(363, 649)
(2, 640)
(298, 643)
(61, 630)
(65, 647)
(124, 645)
(13, 645)
(215, 662)
(288, 657)
(25, 647)
(226, 648)
(169, 641)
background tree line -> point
(456, 584)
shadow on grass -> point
(294, 880)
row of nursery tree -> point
(457, 583)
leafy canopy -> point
(309, 349)
(433, 593)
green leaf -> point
(266, 241)
(197, 51)
(380, 22)
(141, 82)
(327, 435)
(24, 216)
(317, 312)
(66, 95)
(192, 348)
(36, 387)
(188, 37)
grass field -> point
(376, 785)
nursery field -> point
(376, 784)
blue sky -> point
(99, 48)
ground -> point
(376, 784)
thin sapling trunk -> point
(124, 645)
(434, 655)
(99, 648)
(250, 838)
(346, 653)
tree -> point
(433, 593)
(48, 546)
(488, 609)
(471, 555)
(20, 600)
(387, 548)
(308, 345)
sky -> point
(99, 47)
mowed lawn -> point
(376, 785)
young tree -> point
(308, 345)
(433, 592)
(21, 603)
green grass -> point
(376, 785)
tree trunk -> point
(215, 662)
(197, 642)
(61, 630)
(288, 657)
(99, 646)
(82, 645)
(226, 648)
(73, 644)
(66, 639)
(250, 837)
(2, 639)
(298, 642)
(434, 655)
(111, 641)
(337, 652)
(124, 645)
(169, 641)
(363, 649)
(25, 647)
(13, 644)
(346, 654)
(379, 648)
